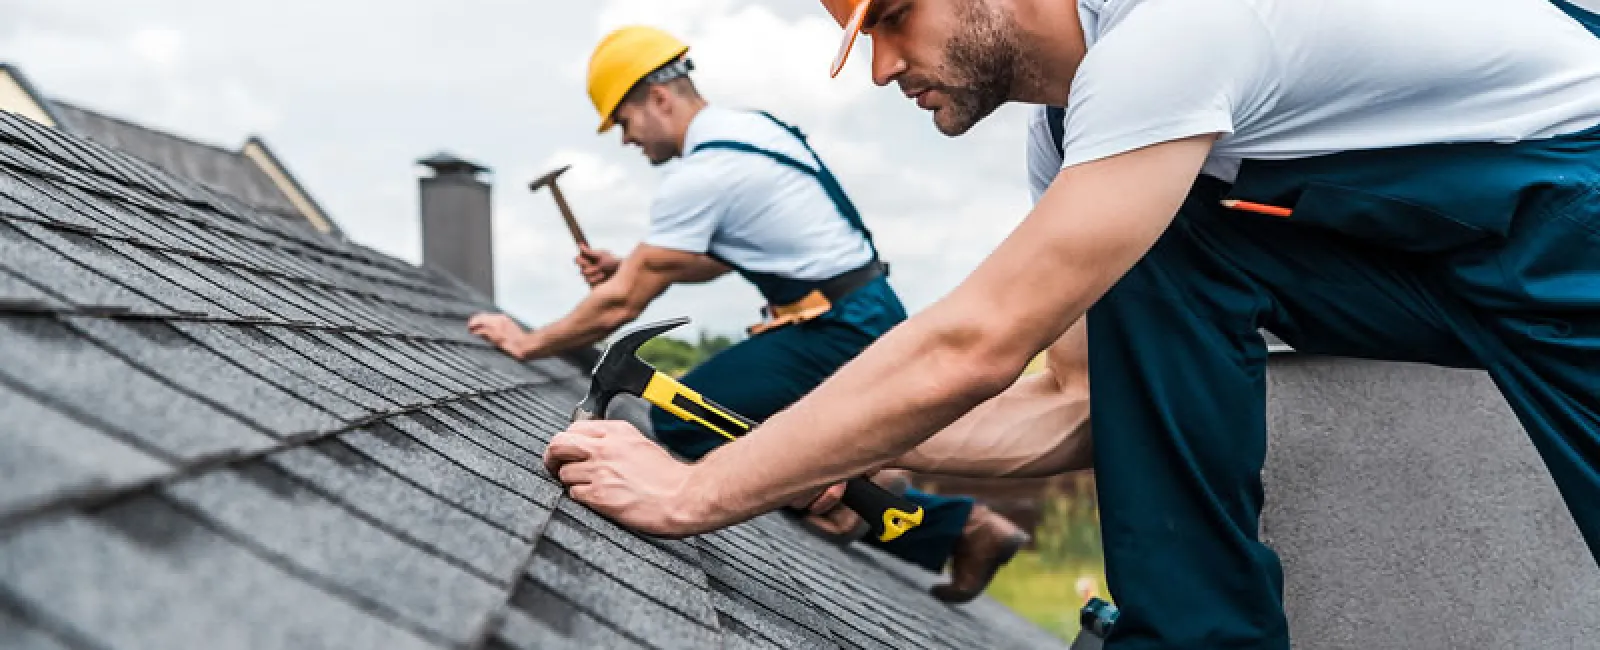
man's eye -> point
(894, 17)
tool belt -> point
(819, 300)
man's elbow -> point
(977, 361)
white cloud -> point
(160, 46)
(351, 93)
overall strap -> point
(1056, 118)
(1588, 19)
(830, 185)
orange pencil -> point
(1260, 208)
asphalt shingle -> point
(342, 364)
(43, 355)
(17, 294)
(216, 337)
(49, 455)
(101, 259)
(599, 595)
(363, 485)
(544, 620)
(279, 514)
(85, 289)
(166, 352)
(143, 575)
(18, 634)
(406, 457)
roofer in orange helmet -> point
(749, 195)
(1414, 181)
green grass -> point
(1045, 593)
(1042, 584)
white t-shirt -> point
(750, 210)
(1284, 79)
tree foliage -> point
(677, 356)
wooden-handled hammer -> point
(561, 202)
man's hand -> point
(498, 329)
(613, 469)
(596, 265)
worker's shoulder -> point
(750, 127)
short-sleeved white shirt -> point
(750, 210)
(1284, 79)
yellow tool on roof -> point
(621, 59)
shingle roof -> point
(221, 169)
(224, 430)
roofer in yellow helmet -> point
(749, 195)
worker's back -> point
(756, 212)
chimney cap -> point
(448, 164)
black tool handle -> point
(887, 515)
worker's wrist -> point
(529, 346)
(701, 502)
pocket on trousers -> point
(1390, 222)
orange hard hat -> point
(849, 14)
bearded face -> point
(961, 59)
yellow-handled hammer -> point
(620, 370)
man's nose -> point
(887, 64)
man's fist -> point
(597, 266)
(498, 329)
(612, 468)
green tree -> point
(676, 356)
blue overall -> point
(1462, 255)
(766, 373)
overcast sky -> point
(351, 93)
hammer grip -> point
(887, 515)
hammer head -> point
(620, 370)
(547, 178)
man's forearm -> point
(1037, 427)
(1087, 231)
(596, 317)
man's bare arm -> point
(643, 276)
(1094, 224)
(1037, 427)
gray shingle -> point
(344, 343)
(257, 341)
(608, 600)
(367, 487)
(43, 355)
(543, 620)
(89, 207)
(343, 365)
(216, 302)
(223, 340)
(91, 253)
(82, 287)
(18, 634)
(17, 294)
(481, 461)
(408, 458)
(277, 513)
(443, 422)
(688, 598)
(24, 190)
(676, 557)
(142, 575)
(49, 455)
(468, 413)
(284, 303)
(742, 617)
(166, 352)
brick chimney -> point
(457, 234)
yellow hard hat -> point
(621, 59)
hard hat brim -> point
(848, 41)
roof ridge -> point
(149, 129)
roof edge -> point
(257, 151)
(40, 103)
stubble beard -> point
(984, 64)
